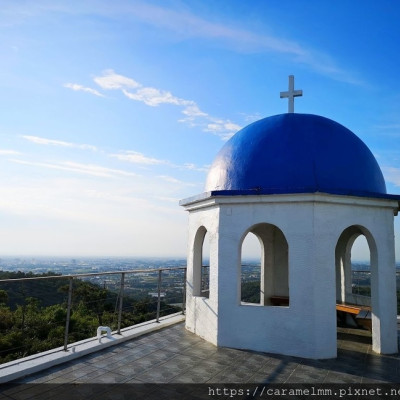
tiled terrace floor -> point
(173, 355)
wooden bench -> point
(361, 314)
(348, 308)
(279, 300)
(363, 318)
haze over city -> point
(113, 112)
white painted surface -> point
(102, 329)
(312, 225)
(291, 94)
(201, 312)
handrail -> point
(132, 271)
(123, 273)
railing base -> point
(38, 362)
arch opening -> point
(360, 267)
(205, 267)
(264, 280)
(356, 257)
(201, 263)
(251, 270)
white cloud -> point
(4, 152)
(76, 87)
(96, 170)
(173, 200)
(175, 181)
(193, 167)
(252, 117)
(61, 143)
(169, 179)
(392, 175)
(138, 158)
(154, 97)
(87, 169)
(111, 80)
(223, 128)
(230, 126)
(389, 130)
(188, 25)
(193, 111)
(395, 126)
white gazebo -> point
(307, 187)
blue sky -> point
(113, 111)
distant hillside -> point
(48, 291)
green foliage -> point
(363, 290)
(7, 319)
(29, 325)
(47, 289)
(3, 297)
(251, 292)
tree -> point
(3, 297)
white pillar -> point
(313, 292)
(383, 291)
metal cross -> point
(291, 94)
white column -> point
(384, 300)
(312, 281)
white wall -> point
(312, 225)
(201, 312)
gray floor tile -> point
(338, 377)
(232, 374)
(178, 356)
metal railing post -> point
(184, 292)
(159, 295)
(121, 299)
(68, 314)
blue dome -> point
(296, 153)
